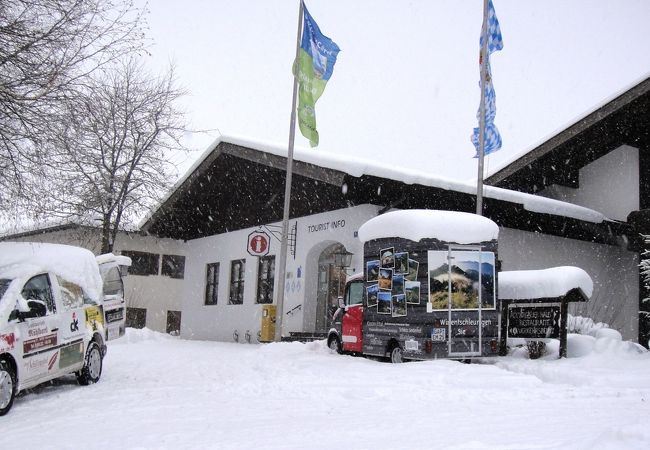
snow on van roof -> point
(120, 260)
(75, 264)
(417, 224)
(545, 283)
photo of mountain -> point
(464, 276)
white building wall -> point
(156, 293)
(614, 271)
(609, 185)
(220, 321)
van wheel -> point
(396, 354)
(335, 345)
(92, 369)
(7, 387)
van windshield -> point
(4, 284)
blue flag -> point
(492, 138)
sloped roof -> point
(238, 184)
(623, 119)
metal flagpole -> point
(287, 194)
(481, 136)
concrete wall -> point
(314, 234)
(609, 185)
(614, 271)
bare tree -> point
(47, 50)
(110, 162)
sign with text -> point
(534, 321)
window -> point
(173, 266)
(112, 281)
(237, 269)
(136, 317)
(142, 263)
(173, 322)
(265, 279)
(38, 288)
(354, 295)
(71, 294)
(212, 284)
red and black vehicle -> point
(428, 290)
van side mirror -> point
(341, 302)
(26, 309)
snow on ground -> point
(161, 392)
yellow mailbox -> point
(267, 333)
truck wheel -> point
(92, 369)
(396, 354)
(335, 345)
(7, 387)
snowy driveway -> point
(161, 392)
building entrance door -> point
(331, 285)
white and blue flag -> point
(492, 138)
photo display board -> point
(392, 282)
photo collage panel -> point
(391, 282)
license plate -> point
(438, 335)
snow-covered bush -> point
(584, 325)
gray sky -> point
(405, 87)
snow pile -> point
(584, 325)
(546, 283)
(162, 392)
(75, 264)
(417, 224)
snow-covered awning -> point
(546, 283)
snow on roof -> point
(545, 283)
(75, 264)
(417, 224)
(358, 167)
(517, 155)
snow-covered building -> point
(153, 288)
(233, 195)
(601, 161)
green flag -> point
(316, 59)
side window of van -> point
(38, 288)
(71, 294)
(112, 281)
(355, 294)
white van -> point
(51, 316)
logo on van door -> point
(74, 326)
(7, 342)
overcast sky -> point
(405, 87)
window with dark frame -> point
(173, 266)
(212, 284)
(142, 263)
(265, 279)
(237, 269)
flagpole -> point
(481, 136)
(287, 193)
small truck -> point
(428, 289)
